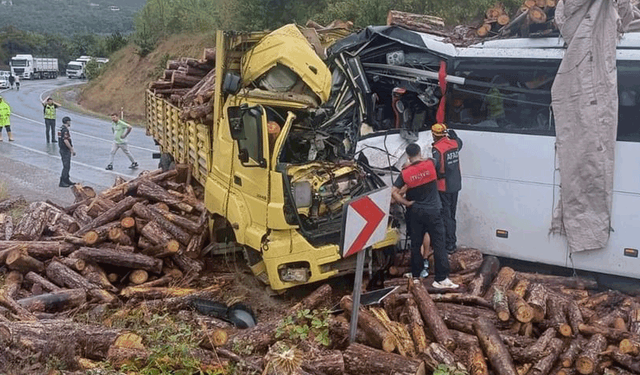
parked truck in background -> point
(76, 68)
(276, 191)
(29, 67)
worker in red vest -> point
(423, 209)
(446, 147)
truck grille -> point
(18, 70)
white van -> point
(4, 79)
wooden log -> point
(37, 217)
(82, 193)
(436, 355)
(537, 299)
(96, 275)
(8, 227)
(47, 285)
(412, 20)
(505, 278)
(576, 294)
(64, 276)
(575, 316)
(493, 347)
(461, 298)
(188, 199)
(634, 320)
(465, 259)
(327, 362)
(110, 215)
(631, 363)
(156, 193)
(629, 346)
(416, 326)
(610, 333)
(19, 260)
(559, 281)
(361, 359)
(557, 316)
(55, 301)
(501, 304)
(519, 308)
(339, 333)
(75, 264)
(430, 315)
(537, 15)
(568, 357)
(149, 293)
(118, 236)
(81, 215)
(535, 351)
(127, 222)
(404, 343)
(9, 203)
(152, 215)
(376, 332)
(588, 360)
(521, 287)
(138, 277)
(98, 206)
(188, 265)
(543, 367)
(179, 79)
(12, 284)
(120, 258)
(99, 234)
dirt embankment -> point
(122, 85)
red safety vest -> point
(449, 163)
(420, 173)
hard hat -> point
(439, 130)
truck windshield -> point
(18, 62)
(73, 67)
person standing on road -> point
(50, 118)
(18, 83)
(423, 206)
(66, 151)
(12, 79)
(5, 114)
(445, 150)
(120, 131)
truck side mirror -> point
(231, 83)
(243, 155)
(236, 127)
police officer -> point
(50, 118)
(445, 151)
(66, 150)
(423, 206)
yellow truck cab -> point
(271, 176)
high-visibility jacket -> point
(5, 112)
(50, 111)
(446, 153)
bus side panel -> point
(624, 222)
(508, 185)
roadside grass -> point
(4, 193)
(15, 212)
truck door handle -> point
(237, 180)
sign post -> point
(365, 223)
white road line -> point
(86, 135)
(72, 161)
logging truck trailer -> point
(511, 179)
(29, 67)
(274, 173)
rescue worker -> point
(423, 206)
(120, 130)
(50, 118)
(66, 151)
(445, 150)
(5, 113)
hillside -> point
(127, 76)
(68, 17)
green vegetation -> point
(449, 370)
(305, 324)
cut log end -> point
(128, 222)
(91, 237)
(138, 277)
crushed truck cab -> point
(275, 175)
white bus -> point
(510, 173)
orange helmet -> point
(439, 130)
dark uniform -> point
(65, 154)
(445, 152)
(424, 215)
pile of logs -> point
(534, 17)
(189, 84)
(500, 321)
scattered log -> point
(543, 367)
(461, 298)
(110, 215)
(519, 308)
(501, 304)
(416, 326)
(149, 293)
(437, 354)
(610, 333)
(493, 347)
(120, 258)
(19, 260)
(559, 281)
(187, 265)
(588, 360)
(376, 332)
(629, 346)
(328, 362)
(404, 343)
(156, 193)
(75, 264)
(568, 357)
(63, 275)
(98, 206)
(629, 362)
(96, 275)
(538, 301)
(55, 301)
(361, 359)
(521, 287)
(505, 278)
(47, 285)
(557, 316)
(152, 215)
(430, 315)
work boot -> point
(63, 184)
(133, 165)
(10, 134)
(109, 167)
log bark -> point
(9, 203)
(505, 278)
(155, 234)
(156, 193)
(149, 293)
(118, 236)
(519, 308)
(557, 316)
(501, 304)
(376, 332)
(416, 326)
(543, 366)
(120, 258)
(629, 346)
(47, 285)
(188, 199)
(63, 275)
(493, 347)
(559, 281)
(82, 193)
(12, 284)
(98, 206)
(55, 301)
(521, 287)
(568, 357)
(404, 343)
(588, 360)
(634, 321)
(8, 227)
(461, 298)
(610, 333)
(361, 359)
(187, 265)
(99, 234)
(465, 259)
(575, 317)
(96, 275)
(40, 249)
(39, 216)
(19, 260)
(538, 301)
(412, 21)
(81, 215)
(339, 333)
(328, 362)
(152, 215)
(109, 215)
(435, 355)
(477, 363)
(430, 315)
(75, 264)
(629, 362)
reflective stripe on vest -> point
(419, 173)
(50, 111)
(445, 146)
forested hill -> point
(69, 17)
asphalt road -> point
(31, 167)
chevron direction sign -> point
(365, 221)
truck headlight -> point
(302, 194)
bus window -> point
(628, 101)
(504, 96)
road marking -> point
(86, 135)
(72, 162)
